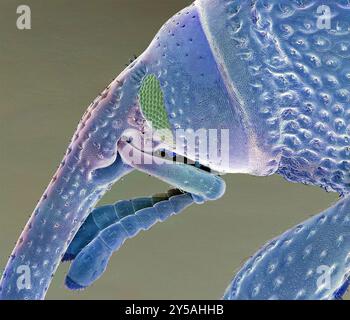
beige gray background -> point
(48, 76)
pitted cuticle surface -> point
(263, 72)
(294, 81)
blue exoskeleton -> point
(275, 76)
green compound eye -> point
(152, 103)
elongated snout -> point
(89, 167)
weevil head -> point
(187, 91)
(180, 90)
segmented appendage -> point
(130, 218)
(104, 216)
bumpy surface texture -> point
(293, 79)
(310, 261)
(261, 69)
(315, 110)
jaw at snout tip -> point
(68, 257)
(72, 285)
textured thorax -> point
(315, 109)
(293, 80)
